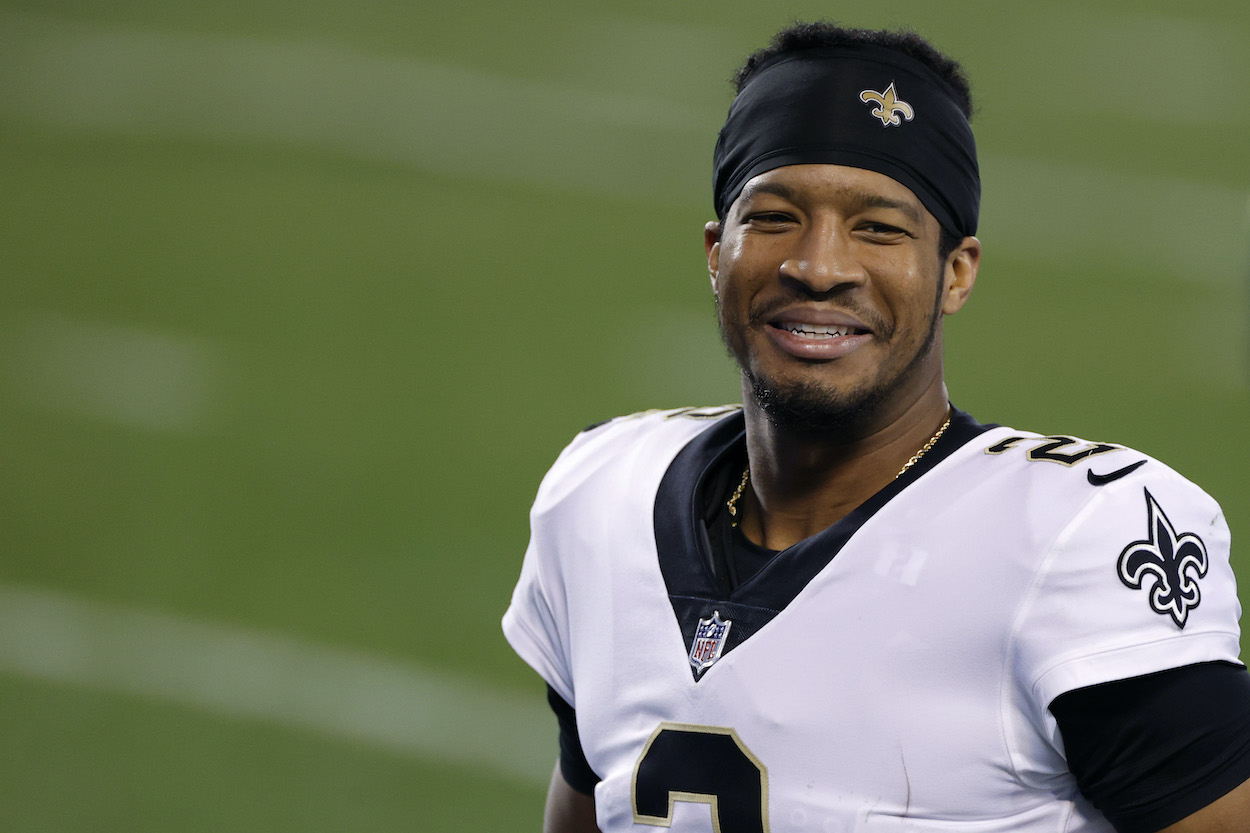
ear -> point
(711, 243)
(961, 273)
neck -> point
(801, 484)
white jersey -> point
(892, 673)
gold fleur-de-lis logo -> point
(889, 106)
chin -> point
(807, 408)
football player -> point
(848, 605)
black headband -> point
(862, 106)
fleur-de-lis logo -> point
(1170, 559)
(889, 106)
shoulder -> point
(1097, 498)
(1077, 472)
(626, 449)
(1131, 559)
(674, 421)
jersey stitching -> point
(1043, 569)
(1211, 634)
(1027, 598)
(538, 642)
(715, 600)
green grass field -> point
(298, 307)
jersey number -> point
(1048, 449)
(703, 764)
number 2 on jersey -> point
(702, 764)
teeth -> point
(817, 331)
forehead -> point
(835, 184)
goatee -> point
(806, 408)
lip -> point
(826, 348)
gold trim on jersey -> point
(696, 798)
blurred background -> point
(300, 301)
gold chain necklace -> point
(732, 503)
(924, 448)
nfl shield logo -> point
(709, 641)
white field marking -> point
(451, 120)
(433, 117)
(241, 674)
(119, 374)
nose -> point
(823, 262)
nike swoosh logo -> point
(1104, 479)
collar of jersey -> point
(691, 493)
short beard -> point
(807, 409)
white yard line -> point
(123, 375)
(467, 123)
(248, 675)
(439, 118)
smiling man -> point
(848, 605)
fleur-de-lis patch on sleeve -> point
(1174, 562)
(889, 106)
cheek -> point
(913, 292)
(729, 302)
(729, 284)
(742, 272)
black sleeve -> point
(1149, 751)
(572, 760)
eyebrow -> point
(862, 201)
(859, 200)
(777, 189)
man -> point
(849, 606)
